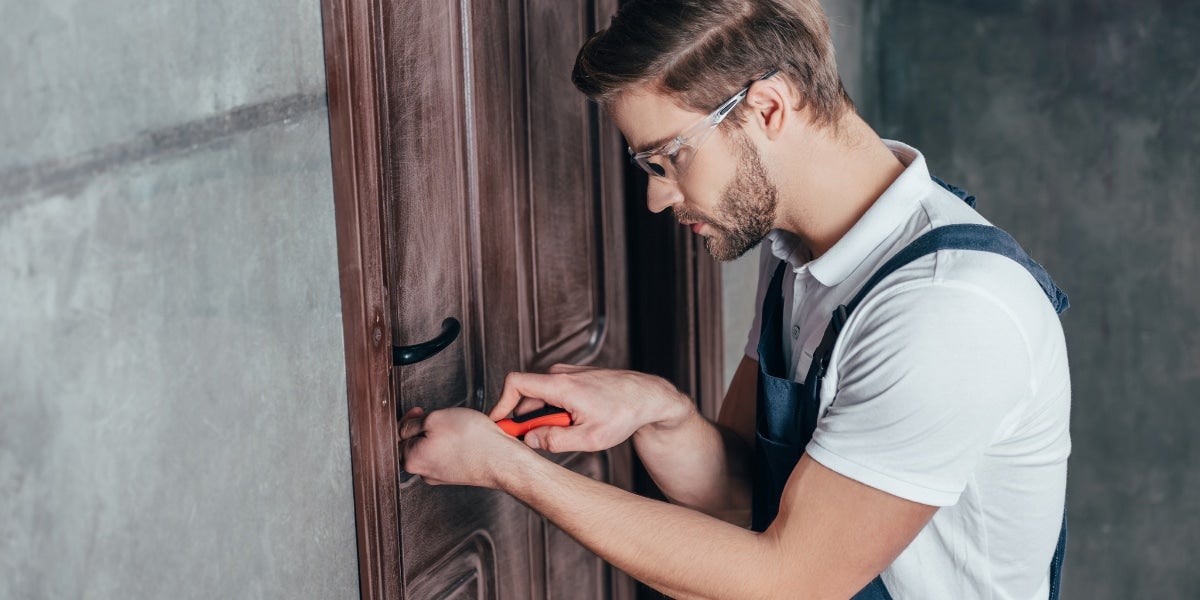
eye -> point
(679, 154)
(657, 168)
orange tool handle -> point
(520, 425)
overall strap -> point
(771, 359)
(774, 294)
(966, 236)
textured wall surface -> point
(172, 383)
(1076, 123)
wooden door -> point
(485, 188)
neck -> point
(828, 181)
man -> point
(922, 454)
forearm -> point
(831, 536)
(704, 465)
(676, 550)
(694, 463)
(700, 465)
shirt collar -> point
(887, 213)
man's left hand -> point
(456, 446)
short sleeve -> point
(766, 269)
(926, 379)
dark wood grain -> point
(675, 292)
(675, 314)
(562, 196)
(354, 116)
(471, 181)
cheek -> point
(715, 159)
(705, 183)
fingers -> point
(406, 451)
(565, 368)
(528, 405)
(412, 424)
(520, 385)
(406, 448)
(560, 439)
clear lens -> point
(654, 168)
(667, 162)
(657, 165)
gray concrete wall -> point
(1076, 123)
(173, 418)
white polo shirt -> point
(948, 387)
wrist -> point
(673, 410)
(513, 474)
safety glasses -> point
(670, 161)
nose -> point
(662, 194)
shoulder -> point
(948, 301)
(921, 323)
(943, 286)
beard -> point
(746, 210)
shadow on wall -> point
(1075, 123)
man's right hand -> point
(607, 406)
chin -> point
(722, 251)
(720, 248)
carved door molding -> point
(471, 180)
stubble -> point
(746, 211)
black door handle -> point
(407, 355)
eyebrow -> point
(655, 144)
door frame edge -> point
(352, 86)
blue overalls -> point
(787, 410)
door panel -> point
(428, 180)
(572, 203)
(471, 181)
(467, 572)
(500, 210)
(563, 201)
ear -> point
(769, 105)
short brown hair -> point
(704, 51)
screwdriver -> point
(519, 425)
